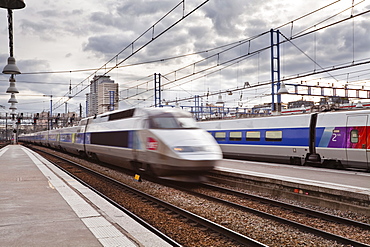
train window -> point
(253, 136)
(172, 123)
(80, 138)
(274, 136)
(121, 115)
(115, 139)
(66, 137)
(235, 136)
(354, 136)
(187, 122)
(220, 136)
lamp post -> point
(11, 68)
(5, 137)
(282, 90)
(51, 111)
(220, 103)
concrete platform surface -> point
(355, 184)
(42, 206)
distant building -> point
(103, 96)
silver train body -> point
(329, 139)
(164, 142)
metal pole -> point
(278, 69)
(275, 68)
(87, 107)
(272, 71)
(51, 112)
(157, 90)
(196, 101)
(16, 134)
(10, 28)
(6, 126)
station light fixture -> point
(12, 4)
(13, 107)
(282, 89)
(12, 88)
(11, 68)
(12, 99)
(359, 105)
(220, 100)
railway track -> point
(199, 234)
(287, 214)
(114, 191)
(3, 144)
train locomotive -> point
(338, 139)
(164, 142)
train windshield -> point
(171, 122)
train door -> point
(356, 146)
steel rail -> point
(235, 236)
(135, 217)
(294, 208)
(299, 226)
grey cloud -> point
(55, 13)
(45, 30)
(109, 29)
(54, 23)
(140, 8)
(106, 45)
(232, 18)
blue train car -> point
(330, 139)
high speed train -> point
(164, 142)
(330, 139)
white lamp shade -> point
(12, 88)
(12, 4)
(11, 68)
(12, 99)
(219, 100)
(282, 89)
(13, 107)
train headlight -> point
(188, 149)
(183, 149)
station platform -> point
(350, 190)
(42, 206)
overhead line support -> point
(157, 90)
(275, 69)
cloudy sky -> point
(58, 43)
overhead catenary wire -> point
(331, 17)
(286, 40)
(131, 45)
(174, 57)
(154, 37)
(159, 60)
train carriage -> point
(343, 138)
(164, 142)
(68, 139)
(330, 139)
(261, 138)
